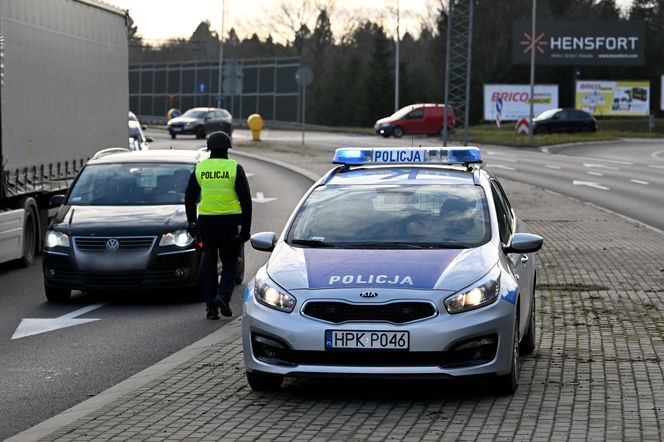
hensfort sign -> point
(579, 43)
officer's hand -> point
(244, 236)
(193, 230)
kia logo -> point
(112, 245)
(368, 294)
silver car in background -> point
(400, 262)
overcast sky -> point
(159, 20)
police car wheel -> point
(529, 341)
(264, 382)
(57, 294)
(509, 383)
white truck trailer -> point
(63, 96)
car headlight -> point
(272, 297)
(484, 292)
(179, 238)
(56, 239)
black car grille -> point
(126, 244)
(394, 312)
(119, 279)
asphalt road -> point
(47, 373)
(626, 177)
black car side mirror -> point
(56, 201)
(524, 243)
(263, 241)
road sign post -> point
(304, 77)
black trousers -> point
(225, 243)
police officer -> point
(224, 219)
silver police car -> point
(399, 262)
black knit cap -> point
(219, 141)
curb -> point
(304, 172)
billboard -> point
(514, 100)
(580, 43)
(613, 98)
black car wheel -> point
(200, 132)
(56, 294)
(173, 135)
(264, 382)
(397, 132)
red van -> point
(416, 119)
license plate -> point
(176, 129)
(115, 262)
(366, 339)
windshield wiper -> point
(404, 245)
(311, 243)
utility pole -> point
(221, 51)
(396, 65)
(532, 70)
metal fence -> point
(264, 86)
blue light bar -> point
(354, 156)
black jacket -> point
(193, 193)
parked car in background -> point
(138, 140)
(416, 119)
(564, 120)
(201, 121)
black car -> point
(201, 121)
(122, 225)
(564, 120)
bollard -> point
(255, 123)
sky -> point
(159, 20)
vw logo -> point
(368, 294)
(112, 245)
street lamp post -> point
(221, 51)
(396, 66)
(532, 69)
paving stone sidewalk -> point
(596, 374)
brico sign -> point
(516, 100)
(580, 43)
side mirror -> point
(56, 201)
(144, 127)
(207, 118)
(149, 139)
(524, 243)
(263, 241)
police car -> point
(398, 262)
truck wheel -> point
(56, 294)
(30, 235)
(264, 382)
(397, 132)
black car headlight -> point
(56, 239)
(179, 238)
(271, 296)
(483, 292)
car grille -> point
(118, 279)
(394, 312)
(126, 244)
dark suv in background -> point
(201, 121)
(564, 120)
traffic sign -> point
(523, 127)
(499, 105)
(202, 88)
(304, 77)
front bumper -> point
(442, 346)
(383, 130)
(169, 270)
(182, 130)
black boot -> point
(224, 306)
(212, 313)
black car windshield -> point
(194, 114)
(387, 216)
(131, 184)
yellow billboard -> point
(613, 98)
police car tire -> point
(508, 384)
(264, 382)
(397, 132)
(57, 294)
(528, 343)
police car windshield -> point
(131, 184)
(414, 216)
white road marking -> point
(655, 167)
(551, 166)
(645, 183)
(589, 184)
(509, 160)
(600, 166)
(500, 166)
(35, 326)
(595, 173)
(260, 198)
(657, 154)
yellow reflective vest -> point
(216, 177)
